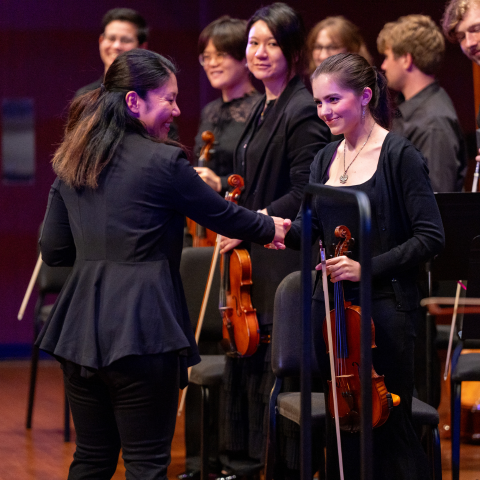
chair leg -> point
(33, 381)
(455, 428)
(204, 449)
(437, 454)
(272, 431)
(66, 415)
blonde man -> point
(461, 23)
(413, 47)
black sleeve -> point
(306, 135)
(294, 237)
(427, 237)
(195, 199)
(56, 240)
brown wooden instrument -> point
(346, 353)
(201, 236)
(241, 333)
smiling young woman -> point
(407, 230)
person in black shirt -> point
(413, 47)
(221, 49)
(123, 29)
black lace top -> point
(227, 121)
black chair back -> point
(287, 329)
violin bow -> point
(203, 309)
(28, 293)
(332, 358)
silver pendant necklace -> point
(344, 177)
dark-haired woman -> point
(406, 230)
(116, 211)
(274, 155)
(221, 48)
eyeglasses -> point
(123, 40)
(327, 48)
(206, 58)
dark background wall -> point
(49, 49)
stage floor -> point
(41, 453)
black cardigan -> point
(406, 212)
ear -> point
(144, 45)
(133, 102)
(407, 61)
(100, 39)
(366, 96)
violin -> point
(241, 333)
(346, 354)
(201, 236)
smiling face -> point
(223, 71)
(339, 108)
(119, 36)
(158, 109)
(325, 46)
(395, 70)
(468, 33)
(265, 58)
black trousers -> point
(131, 404)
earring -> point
(363, 114)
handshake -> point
(282, 226)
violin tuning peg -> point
(352, 242)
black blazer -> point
(290, 137)
(124, 239)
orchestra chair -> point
(465, 367)
(194, 268)
(286, 358)
(50, 281)
(286, 362)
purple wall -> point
(49, 49)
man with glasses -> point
(123, 29)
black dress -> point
(404, 217)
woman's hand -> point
(227, 244)
(282, 226)
(209, 177)
(342, 268)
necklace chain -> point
(344, 177)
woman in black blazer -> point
(274, 155)
(120, 326)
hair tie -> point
(102, 88)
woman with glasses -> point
(331, 36)
(273, 155)
(221, 49)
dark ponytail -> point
(98, 120)
(352, 72)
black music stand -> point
(360, 199)
(461, 220)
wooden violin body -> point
(347, 320)
(201, 236)
(348, 383)
(241, 333)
